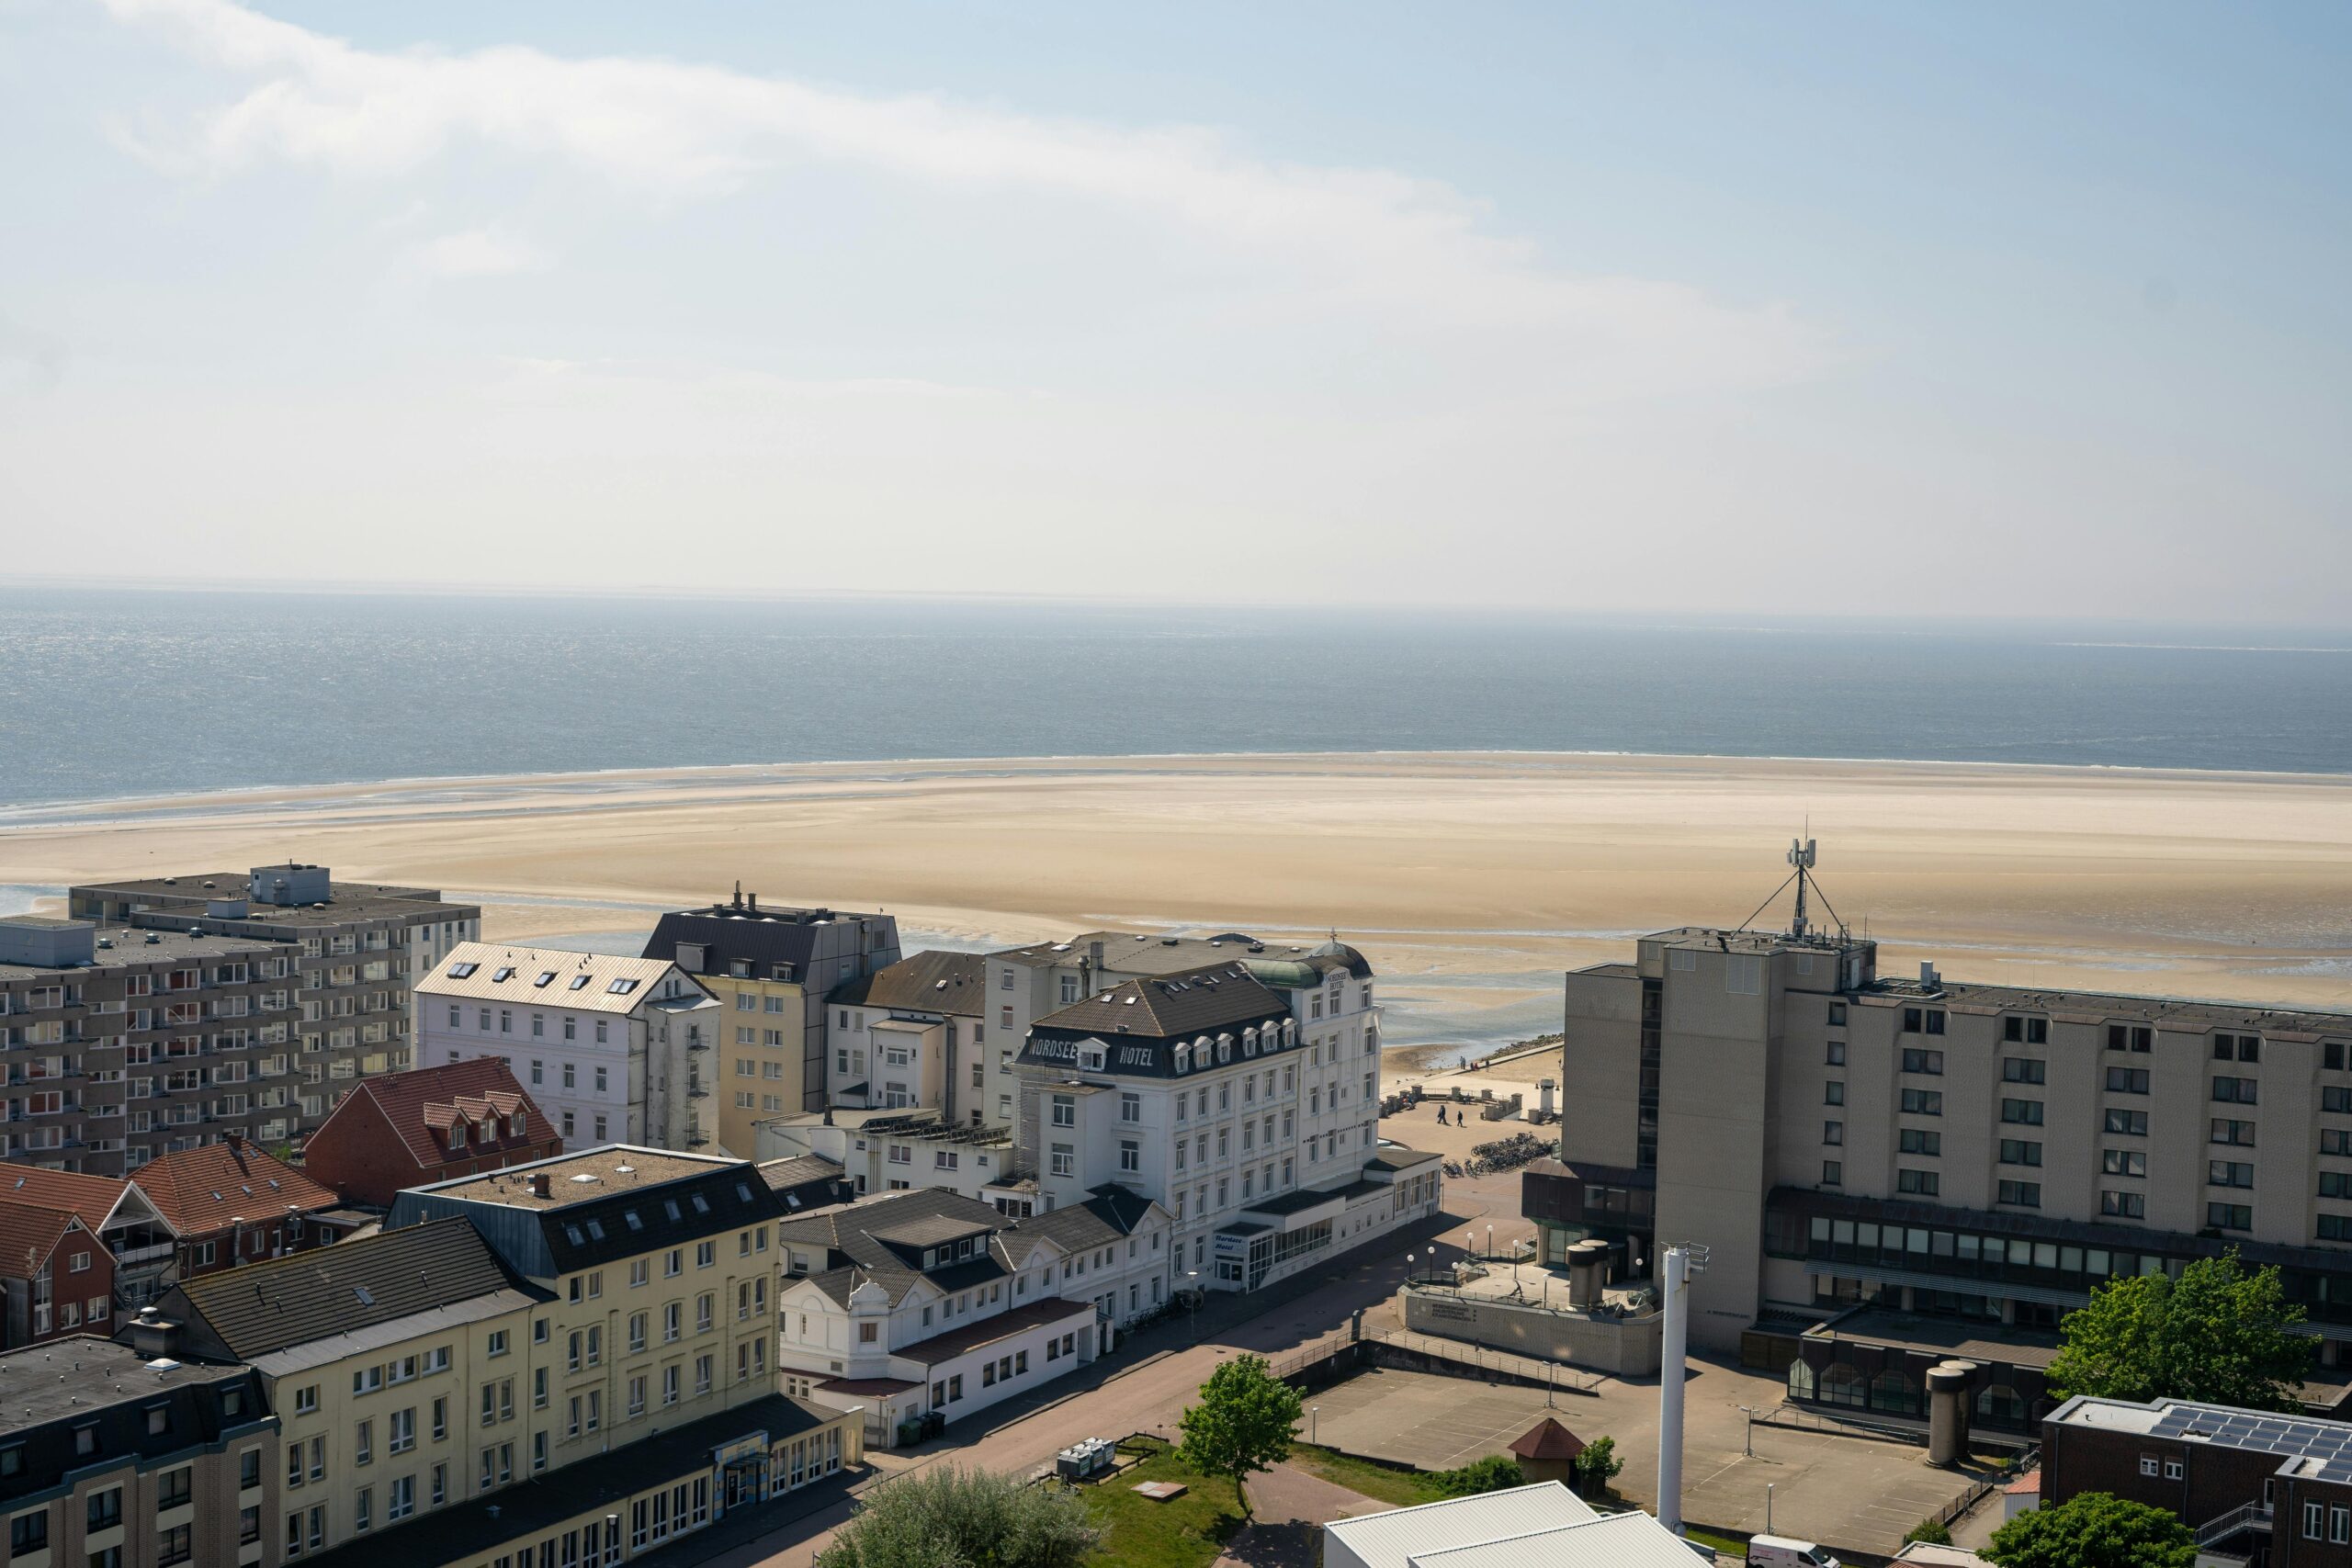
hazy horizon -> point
(1705, 311)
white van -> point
(1780, 1551)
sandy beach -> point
(1472, 879)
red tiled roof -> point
(91, 1197)
(27, 1236)
(1548, 1439)
(201, 1189)
(424, 1098)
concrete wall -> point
(1625, 1347)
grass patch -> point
(1730, 1545)
(1402, 1487)
(1190, 1532)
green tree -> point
(1491, 1474)
(1933, 1532)
(2094, 1530)
(2218, 1335)
(951, 1518)
(1598, 1465)
(1243, 1422)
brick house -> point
(56, 1277)
(432, 1124)
(230, 1203)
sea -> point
(108, 694)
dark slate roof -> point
(48, 1390)
(1143, 1020)
(1113, 1212)
(484, 1525)
(806, 1182)
(929, 981)
(261, 1307)
(1397, 1158)
(636, 1201)
(970, 1335)
(881, 1238)
(764, 938)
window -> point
(2230, 1216)
(2021, 1113)
(2242, 1134)
(2017, 1151)
(2123, 1206)
(2129, 1124)
(2336, 1183)
(2127, 1080)
(2023, 1070)
(1914, 1141)
(174, 1546)
(104, 1510)
(2020, 1194)
(2123, 1162)
(1931, 1062)
(175, 1487)
(2228, 1173)
(2138, 1037)
(2026, 1031)
(1833, 1173)
(1922, 1102)
(1837, 1054)
(1925, 1183)
(1833, 1132)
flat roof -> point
(608, 1170)
(1986, 1342)
(80, 1375)
(2316, 1450)
(1394, 1539)
(130, 947)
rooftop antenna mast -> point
(1802, 855)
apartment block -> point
(772, 969)
(1981, 1153)
(617, 1049)
(890, 1150)
(913, 1034)
(1242, 1096)
(120, 1044)
(353, 947)
(110, 1458)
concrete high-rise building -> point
(772, 969)
(1978, 1152)
(354, 948)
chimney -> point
(755, 903)
(152, 1337)
(540, 1184)
(739, 892)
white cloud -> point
(477, 252)
(1414, 252)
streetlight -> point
(1313, 1422)
(1768, 1507)
(1193, 1301)
(1747, 1441)
(1490, 1241)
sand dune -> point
(1472, 879)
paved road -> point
(1149, 1393)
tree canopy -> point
(1243, 1422)
(2219, 1335)
(952, 1518)
(2094, 1530)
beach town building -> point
(427, 1125)
(1242, 1096)
(1970, 1159)
(140, 1252)
(924, 1308)
(230, 1203)
(351, 951)
(112, 1458)
(2255, 1486)
(120, 1044)
(912, 1034)
(617, 1050)
(772, 969)
(56, 1277)
(890, 1150)
(1543, 1523)
(806, 1182)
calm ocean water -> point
(106, 694)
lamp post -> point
(1768, 1507)
(1193, 1300)
(1490, 1241)
(1313, 1422)
(1748, 1439)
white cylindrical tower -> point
(1674, 1289)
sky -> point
(1905, 309)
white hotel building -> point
(617, 1050)
(1242, 1095)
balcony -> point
(153, 1252)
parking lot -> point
(1853, 1492)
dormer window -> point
(514, 1124)
(1090, 1059)
(1184, 1057)
(457, 1134)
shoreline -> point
(173, 807)
(1471, 878)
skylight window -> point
(460, 971)
(621, 988)
(579, 980)
(365, 1299)
(505, 972)
(545, 976)
(702, 1204)
(571, 1234)
(634, 1223)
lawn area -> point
(1402, 1487)
(1189, 1533)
